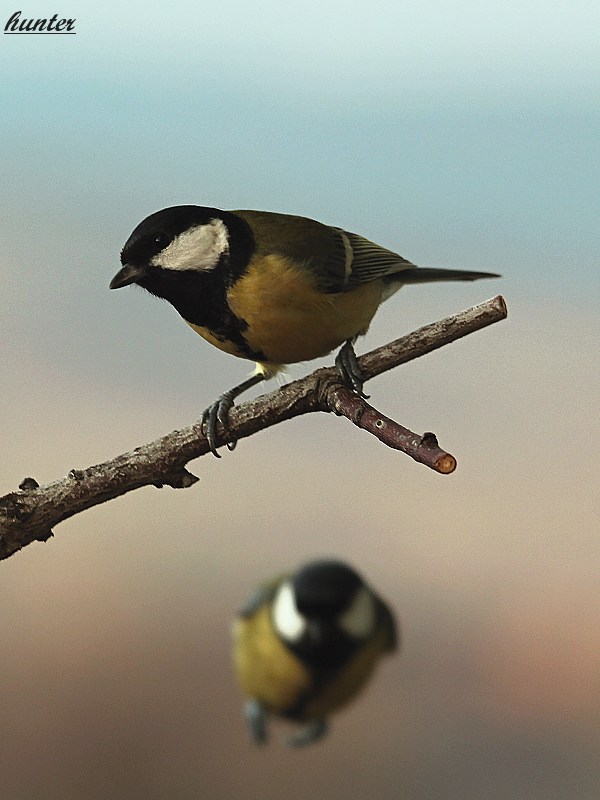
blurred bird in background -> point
(306, 644)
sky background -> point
(460, 134)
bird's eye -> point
(161, 240)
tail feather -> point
(431, 274)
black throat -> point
(200, 296)
(334, 650)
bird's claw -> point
(217, 412)
(347, 366)
(256, 720)
(312, 732)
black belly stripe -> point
(233, 333)
(320, 680)
(200, 300)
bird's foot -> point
(310, 733)
(256, 720)
(347, 365)
(217, 412)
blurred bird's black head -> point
(323, 613)
(325, 589)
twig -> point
(29, 514)
(422, 448)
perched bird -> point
(306, 644)
(271, 288)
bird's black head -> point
(174, 244)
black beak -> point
(128, 274)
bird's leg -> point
(256, 720)
(348, 368)
(310, 733)
(219, 411)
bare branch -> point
(422, 448)
(30, 514)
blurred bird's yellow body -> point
(265, 667)
(268, 671)
(306, 644)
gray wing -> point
(340, 260)
(366, 261)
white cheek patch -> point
(288, 621)
(198, 248)
(359, 620)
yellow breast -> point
(289, 319)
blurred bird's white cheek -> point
(360, 619)
(198, 248)
(289, 623)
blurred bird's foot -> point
(256, 720)
(218, 412)
(348, 368)
(312, 732)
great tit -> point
(272, 288)
(306, 644)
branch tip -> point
(499, 303)
(424, 449)
(445, 464)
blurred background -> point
(459, 134)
